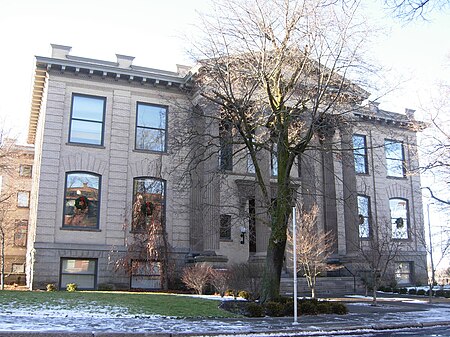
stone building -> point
(15, 186)
(109, 136)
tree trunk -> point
(313, 292)
(277, 242)
(374, 295)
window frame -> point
(393, 160)
(274, 160)
(366, 217)
(20, 228)
(22, 170)
(135, 273)
(225, 232)
(394, 220)
(61, 273)
(163, 203)
(99, 190)
(363, 155)
(226, 145)
(102, 133)
(28, 199)
(410, 265)
(137, 126)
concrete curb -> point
(281, 333)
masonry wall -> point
(116, 162)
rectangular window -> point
(364, 216)
(18, 268)
(250, 164)
(25, 170)
(226, 146)
(360, 154)
(81, 203)
(23, 199)
(225, 227)
(83, 272)
(403, 273)
(252, 225)
(148, 204)
(87, 119)
(151, 127)
(395, 158)
(399, 218)
(274, 160)
(20, 233)
(145, 275)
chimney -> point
(410, 113)
(182, 69)
(59, 51)
(124, 61)
(374, 106)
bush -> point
(254, 310)
(439, 293)
(403, 291)
(338, 308)
(244, 294)
(307, 307)
(412, 291)
(197, 276)
(247, 276)
(421, 292)
(324, 308)
(274, 309)
(447, 294)
(71, 287)
(51, 287)
(220, 279)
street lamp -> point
(294, 248)
(431, 252)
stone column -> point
(349, 191)
(329, 186)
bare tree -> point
(275, 74)
(412, 9)
(197, 276)
(147, 245)
(377, 255)
(314, 247)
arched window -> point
(82, 200)
(399, 218)
(148, 203)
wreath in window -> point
(81, 203)
(399, 223)
(147, 208)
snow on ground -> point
(106, 318)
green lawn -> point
(129, 303)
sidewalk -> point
(393, 312)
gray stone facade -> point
(195, 196)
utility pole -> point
(431, 253)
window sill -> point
(400, 239)
(85, 229)
(225, 240)
(149, 151)
(86, 145)
(396, 178)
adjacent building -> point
(110, 137)
(16, 171)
